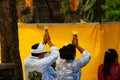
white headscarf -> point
(40, 49)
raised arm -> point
(47, 39)
(53, 51)
(76, 44)
(86, 56)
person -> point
(66, 66)
(39, 64)
(110, 69)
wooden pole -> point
(99, 11)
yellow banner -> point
(95, 38)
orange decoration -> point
(74, 5)
(29, 3)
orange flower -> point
(74, 5)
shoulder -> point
(100, 67)
(60, 61)
(118, 66)
(27, 59)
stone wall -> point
(7, 71)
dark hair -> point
(109, 60)
(35, 47)
(68, 52)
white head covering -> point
(40, 49)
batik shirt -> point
(71, 69)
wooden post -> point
(99, 11)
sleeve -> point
(83, 61)
(52, 72)
(26, 60)
(100, 73)
(48, 61)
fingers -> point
(75, 40)
(46, 37)
(46, 31)
(74, 36)
(45, 28)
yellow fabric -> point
(95, 38)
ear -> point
(41, 55)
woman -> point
(67, 67)
(110, 69)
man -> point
(37, 65)
(67, 67)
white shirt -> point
(42, 65)
(68, 70)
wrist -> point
(50, 43)
(77, 45)
(80, 48)
(44, 43)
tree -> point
(84, 11)
(9, 36)
(20, 2)
(111, 10)
(46, 11)
(59, 11)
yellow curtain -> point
(96, 38)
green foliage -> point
(89, 4)
(113, 15)
(113, 4)
(64, 8)
(111, 10)
(90, 13)
(84, 10)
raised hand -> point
(75, 40)
(46, 36)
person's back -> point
(38, 66)
(110, 70)
(68, 68)
(114, 73)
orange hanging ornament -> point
(74, 4)
(29, 4)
